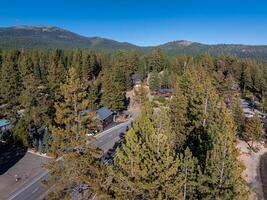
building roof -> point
(103, 113)
(165, 90)
(4, 122)
(136, 79)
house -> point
(4, 124)
(103, 115)
(165, 92)
(136, 80)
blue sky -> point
(147, 22)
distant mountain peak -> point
(37, 28)
(54, 37)
(32, 27)
(180, 42)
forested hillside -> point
(183, 147)
(194, 48)
(52, 37)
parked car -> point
(92, 132)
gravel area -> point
(252, 173)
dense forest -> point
(183, 147)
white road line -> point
(35, 190)
(114, 128)
(29, 185)
(127, 123)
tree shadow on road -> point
(10, 154)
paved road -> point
(108, 138)
(263, 174)
(33, 190)
(105, 140)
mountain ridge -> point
(54, 37)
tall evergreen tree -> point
(10, 84)
(94, 94)
(20, 133)
(140, 94)
(154, 81)
(254, 129)
(77, 63)
(245, 77)
(239, 118)
(113, 93)
(202, 97)
(223, 170)
(90, 66)
(56, 72)
(146, 167)
(178, 111)
(70, 141)
(156, 60)
(190, 175)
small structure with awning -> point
(4, 124)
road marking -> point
(29, 185)
(35, 190)
(114, 128)
(127, 123)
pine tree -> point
(77, 63)
(10, 85)
(254, 129)
(190, 179)
(195, 94)
(264, 103)
(178, 111)
(134, 61)
(56, 72)
(113, 95)
(140, 94)
(94, 94)
(202, 97)
(239, 118)
(223, 170)
(207, 62)
(90, 66)
(34, 100)
(145, 167)
(226, 86)
(25, 66)
(156, 60)
(122, 69)
(245, 77)
(70, 141)
(154, 81)
(47, 140)
(20, 133)
(165, 81)
(142, 69)
(37, 68)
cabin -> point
(165, 92)
(103, 115)
(136, 80)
